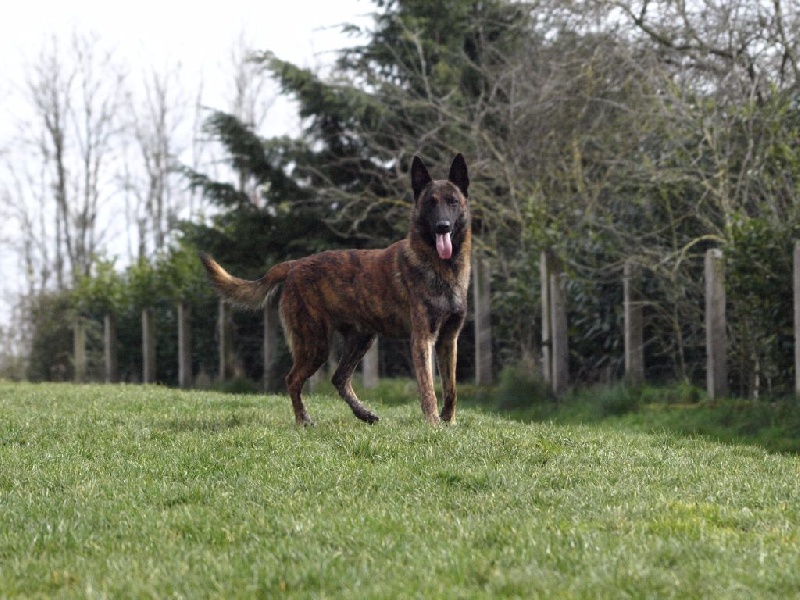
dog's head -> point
(441, 210)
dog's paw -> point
(368, 417)
(305, 421)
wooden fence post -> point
(558, 319)
(634, 331)
(184, 345)
(483, 321)
(716, 337)
(555, 338)
(148, 346)
(110, 361)
(797, 318)
(370, 365)
(223, 341)
(79, 349)
(547, 328)
(271, 325)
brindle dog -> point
(416, 288)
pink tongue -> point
(443, 246)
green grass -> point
(683, 409)
(114, 491)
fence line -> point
(555, 336)
(554, 333)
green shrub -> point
(237, 385)
(619, 400)
(679, 393)
(521, 386)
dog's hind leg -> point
(308, 357)
(356, 345)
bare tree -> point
(76, 95)
(249, 100)
(156, 117)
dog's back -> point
(342, 289)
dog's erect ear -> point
(458, 173)
(419, 176)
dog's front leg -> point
(446, 352)
(421, 352)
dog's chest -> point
(447, 302)
(439, 293)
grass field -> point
(114, 491)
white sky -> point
(200, 36)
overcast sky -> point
(199, 35)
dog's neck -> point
(452, 273)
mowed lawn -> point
(123, 491)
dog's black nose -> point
(442, 227)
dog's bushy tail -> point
(242, 292)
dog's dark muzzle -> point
(442, 227)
